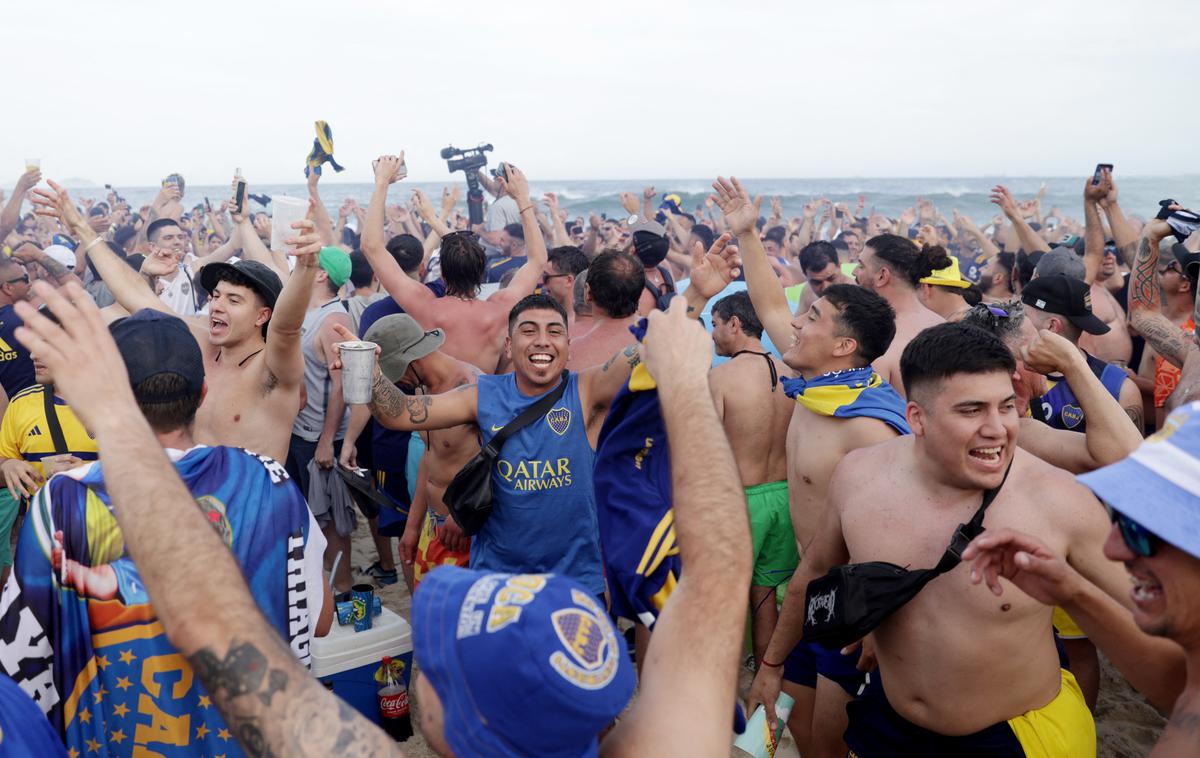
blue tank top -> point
(16, 369)
(1059, 407)
(544, 510)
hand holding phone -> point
(1100, 168)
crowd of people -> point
(741, 411)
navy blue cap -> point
(154, 343)
(526, 664)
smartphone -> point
(1099, 171)
(207, 205)
(239, 193)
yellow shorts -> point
(1066, 627)
(1063, 727)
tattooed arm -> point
(599, 385)
(1145, 299)
(269, 701)
(396, 410)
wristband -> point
(88, 247)
(522, 210)
(764, 662)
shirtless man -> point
(844, 331)
(957, 661)
(544, 514)
(615, 282)
(474, 328)
(755, 412)
(251, 338)
(411, 358)
(892, 267)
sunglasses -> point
(547, 277)
(1140, 541)
(1172, 266)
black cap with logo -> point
(1064, 296)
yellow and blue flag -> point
(853, 393)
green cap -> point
(336, 263)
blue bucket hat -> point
(1158, 485)
(524, 664)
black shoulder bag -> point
(851, 601)
(469, 496)
(56, 432)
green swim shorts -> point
(775, 555)
(8, 516)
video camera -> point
(469, 161)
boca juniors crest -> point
(591, 651)
(559, 420)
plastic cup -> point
(285, 211)
(33, 164)
(358, 371)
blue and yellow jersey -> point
(633, 503)
(16, 369)
(86, 643)
(25, 431)
(501, 266)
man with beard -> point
(544, 514)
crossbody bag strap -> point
(528, 415)
(968, 531)
(56, 432)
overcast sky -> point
(128, 91)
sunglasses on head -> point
(1140, 541)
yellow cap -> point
(947, 277)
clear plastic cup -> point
(358, 371)
(285, 211)
(33, 164)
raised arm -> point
(222, 253)
(1093, 234)
(529, 275)
(1030, 240)
(968, 227)
(396, 410)
(712, 530)
(766, 291)
(11, 215)
(406, 291)
(283, 355)
(1123, 236)
(33, 254)
(560, 236)
(1111, 433)
(319, 213)
(127, 286)
(272, 704)
(1145, 299)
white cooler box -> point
(346, 660)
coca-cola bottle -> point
(393, 704)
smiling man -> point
(544, 511)
(963, 670)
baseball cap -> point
(61, 255)
(262, 279)
(526, 664)
(1064, 296)
(947, 277)
(401, 341)
(638, 224)
(154, 343)
(1158, 485)
(335, 262)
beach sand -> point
(1126, 725)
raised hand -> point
(1003, 198)
(675, 347)
(308, 241)
(712, 271)
(551, 200)
(776, 207)
(423, 206)
(1094, 193)
(740, 213)
(388, 169)
(648, 193)
(629, 203)
(1049, 353)
(56, 203)
(514, 184)
(27, 181)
